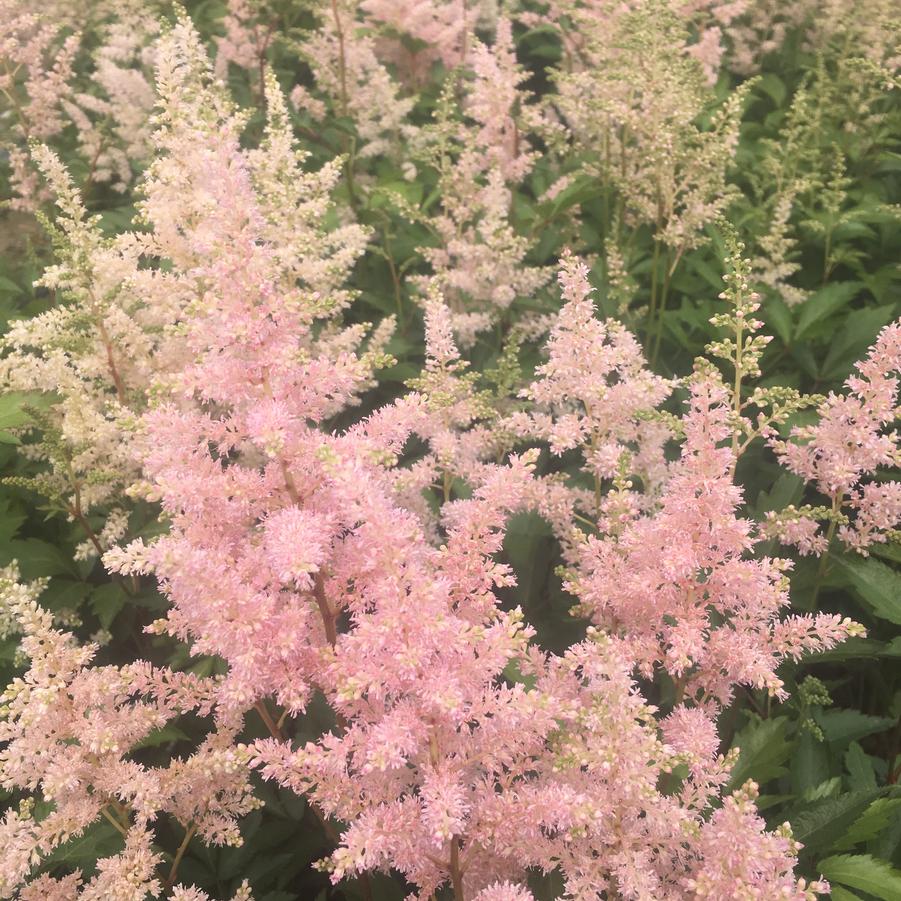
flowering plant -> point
(440, 490)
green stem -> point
(114, 820)
(179, 854)
(824, 560)
(652, 309)
(664, 293)
(455, 870)
(736, 388)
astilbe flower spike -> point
(67, 731)
(852, 439)
(680, 585)
(240, 458)
(590, 394)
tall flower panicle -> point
(480, 149)
(112, 114)
(852, 439)
(681, 586)
(590, 395)
(497, 102)
(350, 74)
(246, 453)
(636, 100)
(436, 29)
(249, 32)
(92, 357)
(37, 59)
(68, 729)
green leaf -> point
(847, 725)
(843, 894)
(877, 584)
(583, 188)
(10, 520)
(787, 489)
(861, 775)
(9, 286)
(9, 647)
(773, 86)
(64, 594)
(861, 871)
(809, 764)
(870, 823)
(764, 751)
(709, 274)
(828, 788)
(106, 602)
(513, 674)
(779, 318)
(37, 558)
(12, 415)
(857, 649)
(820, 825)
(828, 300)
(887, 551)
(850, 342)
(99, 840)
(162, 736)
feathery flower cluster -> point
(849, 443)
(67, 731)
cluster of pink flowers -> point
(319, 563)
(851, 441)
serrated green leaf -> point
(861, 775)
(12, 414)
(37, 558)
(787, 489)
(877, 584)
(162, 736)
(820, 825)
(106, 602)
(823, 303)
(847, 725)
(864, 872)
(63, 593)
(99, 840)
(842, 894)
(870, 823)
(828, 788)
(850, 343)
(764, 751)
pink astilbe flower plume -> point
(229, 470)
(37, 58)
(853, 438)
(680, 586)
(67, 731)
(593, 388)
(362, 567)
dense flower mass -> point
(297, 388)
